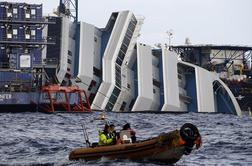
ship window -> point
(97, 72)
(121, 55)
(128, 86)
(15, 10)
(179, 76)
(118, 83)
(95, 39)
(69, 61)
(123, 106)
(27, 34)
(113, 99)
(131, 103)
(124, 48)
(126, 41)
(116, 91)
(119, 61)
(156, 83)
(129, 34)
(90, 87)
(92, 84)
(134, 21)
(154, 90)
(91, 97)
(131, 27)
(33, 32)
(109, 107)
(33, 11)
(27, 30)
(9, 32)
(9, 36)
(69, 53)
(9, 15)
(27, 12)
(14, 31)
(27, 15)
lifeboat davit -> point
(167, 147)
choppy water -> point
(42, 139)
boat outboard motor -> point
(189, 134)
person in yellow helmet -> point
(107, 136)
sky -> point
(221, 22)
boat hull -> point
(166, 148)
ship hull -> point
(18, 108)
(18, 101)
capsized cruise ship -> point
(232, 63)
(116, 71)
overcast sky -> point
(203, 21)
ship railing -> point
(33, 41)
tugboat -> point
(166, 148)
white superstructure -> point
(121, 74)
(67, 51)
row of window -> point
(20, 26)
(97, 72)
(156, 83)
(126, 42)
(118, 75)
(123, 106)
(119, 61)
(123, 50)
(112, 99)
(10, 6)
(14, 11)
(11, 50)
(27, 33)
(15, 32)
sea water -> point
(47, 139)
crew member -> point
(132, 132)
(107, 136)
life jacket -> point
(105, 139)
